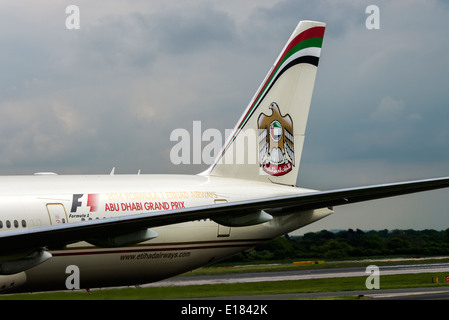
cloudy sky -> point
(109, 94)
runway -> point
(299, 275)
(387, 294)
(418, 293)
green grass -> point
(223, 290)
(260, 288)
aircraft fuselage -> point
(28, 202)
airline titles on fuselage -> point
(85, 204)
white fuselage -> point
(42, 200)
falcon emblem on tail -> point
(276, 142)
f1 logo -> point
(92, 202)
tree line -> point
(350, 243)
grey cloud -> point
(161, 69)
(118, 81)
(180, 33)
(136, 40)
(360, 68)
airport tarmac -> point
(408, 293)
(299, 275)
(386, 294)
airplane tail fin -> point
(266, 144)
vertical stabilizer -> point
(267, 142)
